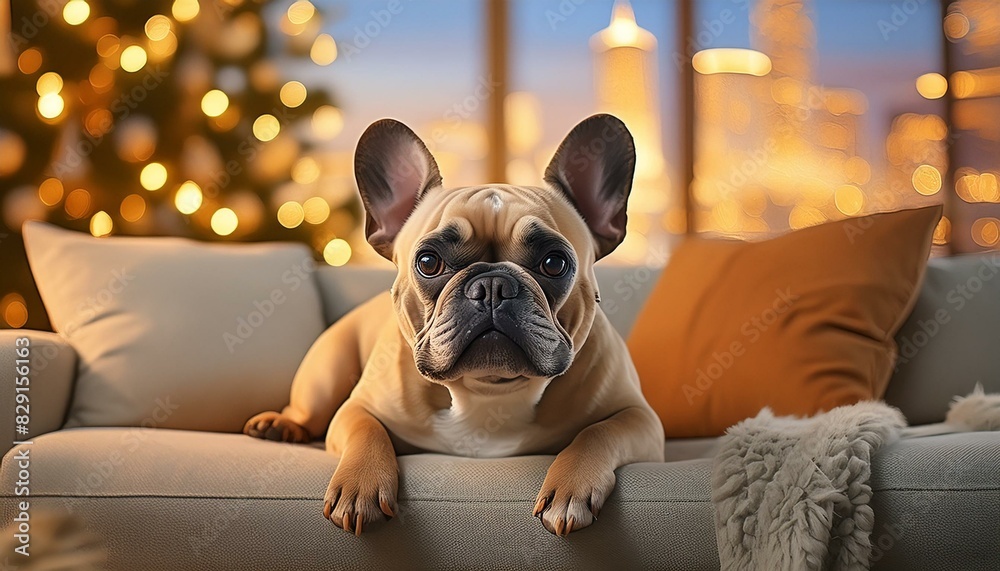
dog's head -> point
(495, 282)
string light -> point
(290, 214)
(327, 122)
(316, 210)
(337, 252)
(76, 12)
(153, 176)
(932, 85)
(157, 27)
(101, 224)
(305, 171)
(133, 58)
(51, 105)
(266, 127)
(301, 12)
(293, 94)
(29, 61)
(324, 50)
(188, 198)
(214, 103)
(77, 204)
(49, 82)
(15, 310)
(133, 207)
(224, 222)
(50, 192)
(108, 45)
(926, 180)
(185, 10)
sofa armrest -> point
(51, 373)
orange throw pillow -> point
(801, 323)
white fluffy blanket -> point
(793, 494)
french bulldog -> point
(494, 308)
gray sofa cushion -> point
(950, 341)
(166, 499)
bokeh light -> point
(327, 122)
(986, 232)
(305, 171)
(77, 204)
(185, 10)
(324, 50)
(337, 252)
(926, 180)
(932, 85)
(132, 207)
(153, 176)
(316, 210)
(29, 61)
(51, 105)
(48, 83)
(731, 60)
(101, 224)
(50, 191)
(14, 310)
(301, 12)
(293, 94)
(266, 127)
(76, 12)
(133, 58)
(224, 221)
(188, 198)
(214, 103)
(157, 27)
(290, 214)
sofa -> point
(180, 499)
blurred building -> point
(627, 86)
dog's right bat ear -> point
(393, 169)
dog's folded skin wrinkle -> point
(490, 328)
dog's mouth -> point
(495, 353)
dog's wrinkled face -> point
(495, 282)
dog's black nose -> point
(491, 288)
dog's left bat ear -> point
(593, 167)
(393, 169)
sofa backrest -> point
(946, 346)
(623, 290)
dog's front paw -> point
(572, 496)
(360, 493)
(276, 426)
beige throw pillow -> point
(173, 333)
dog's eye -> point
(429, 264)
(554, 265)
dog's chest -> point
(487, 426)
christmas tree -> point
(167, 117)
